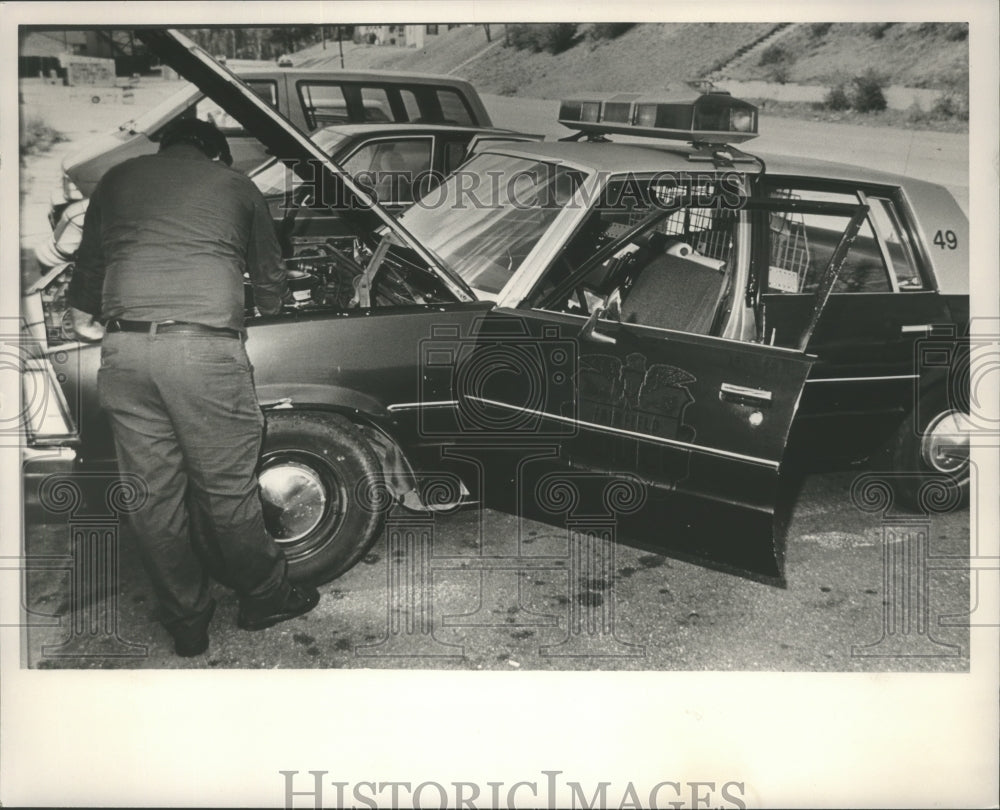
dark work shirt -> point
(169, 236)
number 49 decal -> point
(946, 240)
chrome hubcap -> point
(945, 444)
(294, 500)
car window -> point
(375, 102)
(267, 89)
(454, 154)
(275, 178)
(391, 166)
(323, 103)
(454, 110)
(672, 275)
(410, 104)
(889, 225)
(801, 246)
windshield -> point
(275, 179)
(488, 216)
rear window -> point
(454, 110)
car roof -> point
(361, 130)
(396, 76)
(619, 157)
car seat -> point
(675, 290)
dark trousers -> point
(185, 418)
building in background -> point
(401, 36)
(94, 56)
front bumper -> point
(57, 205)
(38, 463)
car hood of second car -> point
(286, 142)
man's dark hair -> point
(201, 134)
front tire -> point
(314, 472)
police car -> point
(646, 332)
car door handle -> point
(744, 395)
(908, 328)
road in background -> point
(939, 157)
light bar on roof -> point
(713, 118)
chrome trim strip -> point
(908, 328)
(861, 379)
(744, 391)
(411, 406)
(621, 432)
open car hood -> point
(286, 142)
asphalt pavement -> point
(481, 590)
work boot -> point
(286, 603)
(191, 637)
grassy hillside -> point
(934, 55)
(670, 53)
(652, 55)
(647, 57)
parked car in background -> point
(309, 98)
(398, 163)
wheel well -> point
(396, 467)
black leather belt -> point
(159, 327)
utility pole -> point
(340, 46)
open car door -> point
(673, 439)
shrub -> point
(866, 92)
(817, 30)
(520, 36)
(600, 31)
(837, 98)
(778, 73)
(952, 104)
(550, 37)
(955, 32)
(772, 55)
(917, 115)
(877, 30)
(38, 136)
(557, 37)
